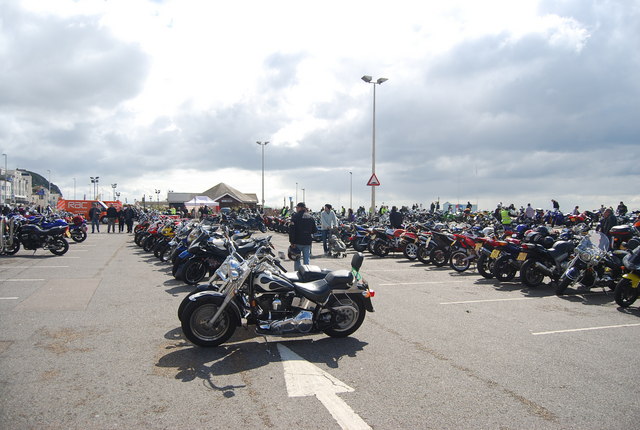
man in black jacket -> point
(302, 228)
(112, 214)
(395, 218)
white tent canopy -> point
(199, 201)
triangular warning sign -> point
(373, 181)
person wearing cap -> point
(302, 228)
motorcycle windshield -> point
(595, 239)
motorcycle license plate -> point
(478, 246)
(495, 253)
(67, 233)
(522, 256)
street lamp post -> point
(4, 185)
(158, 198)
(114, 190)
(350, 190)
(303, 199)
(262, 144)
(94, 181)
(368, 79)
(49, 195)
(296, 193)
(74, 188)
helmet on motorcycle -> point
(548, 242)
(294, 253)
(543, 230)
(488, 231)
(521, 228)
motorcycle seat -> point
(339, 279)
(316, 291)
(32, 228)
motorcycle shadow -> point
(242, 353)
(586, 297)
(629, 311)
(178, 287)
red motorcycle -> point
(391, 240)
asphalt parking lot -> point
(91, 340)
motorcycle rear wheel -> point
(625, 294)
(347, 321)
(459, 261)
(78, 236)
(530, 275)
(196, 329)
(62, 246)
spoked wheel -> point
(485, 266)
(380, 248)
(14, 248)
(424, 254)
(439, 257)
(459, 261)
(59, 246)
(625, 294)
(197, 328)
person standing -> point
(622, 209)
(608, 220)
(128, 218)
(529, 213)
(395, 218)
(120, 220)
(328, 221)
(302, 228)
(112, 214)
(94, 216)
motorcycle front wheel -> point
(195, 324)
(424, 254)
(380, 248)
(625, 294)
(60, 245)
(459, 261)
(194, 271)
(563, 284)
(14, 249)
(439, 257)
(410, 251)
(485, 266)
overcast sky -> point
(488, 101)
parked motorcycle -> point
(626, 291)
(33, 237)
(251, 295)
(593, 265)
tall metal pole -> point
(4, 185)
(74, 188)
(350, 190)
(296, 193)
(263, 144)
(368, 79)
(49, 196)
(303, 199)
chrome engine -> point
(301, 323)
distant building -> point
(225, 195)
(16, 187)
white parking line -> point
(9, 298)
(32, 267)
(424, 283)
(495, 300)
(585, 329)
(78, 250)
(20, 280)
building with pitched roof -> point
(225, 195)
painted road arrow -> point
(304, 379)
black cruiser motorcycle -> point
(254, 292)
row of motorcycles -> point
(571, 256)
(248, 285)
(48, 232)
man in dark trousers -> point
(303, 226)
(128, 218)
(112, 214)
(94, 216)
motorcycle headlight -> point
(585, 256)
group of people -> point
(123, 216)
